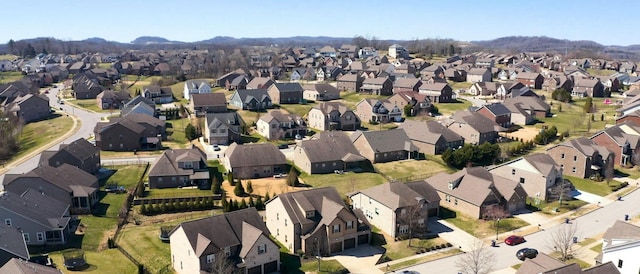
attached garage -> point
(271, 267)
(336, 247)
(255, 270)
(349, 243)
(363, 239)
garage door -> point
(255, 270)
(363, 239)
(349, 243)
(336, 247)
(271, 267)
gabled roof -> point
(477, 71)
(321, 88)
(209, 99)
(407, 82)
(168, 163)
(428, 131)
(18, 266)
(328, 107)
(476, 121)
(80, 149)
(539, 264)
(12, 241)
(386, 140)
(249, 155)
(139, 99)
(473, 184)
(288, 87)
(280, 117)
(229, 119)
(528, 75)
(330, 146)
(527, 103)
(497, 109)
(350, 77)
(246, 95)
(260, 82)
(622, 231)
(393, 195)
(209, 235)
(585, 146)
(325, 201)
(38, 207)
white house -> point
(621, 246)
(195, 86)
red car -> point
(514, 240)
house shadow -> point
(436, 228)
(249, 139)
(100, 209)
(290, 263)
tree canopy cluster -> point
(484, 154)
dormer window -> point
(310, 214)
(227, 251)
(211, 258)
(262, 249)
(188, 164)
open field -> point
(10, 76)
(35, 135)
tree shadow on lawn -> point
(290, 263)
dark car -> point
(526, 253)
(514, 240)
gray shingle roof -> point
(40, 208)
(288, 87)
(209, 99)
(470, 184)
(428, 131)
(168, 163)
(585, 146)
(329, 146)
(248, 155)
(12, 242)
(17, 266)
(476, 121)
(309, 200)
(386, 140)
(393, 195)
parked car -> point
(524, 253)
(514, 240)
(283, 146)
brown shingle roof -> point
(329, 146)
(209, 99)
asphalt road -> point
(589, 225)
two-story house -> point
(420, 103)
(256, 160)
(473, 127)
(327, 152)
(350, 82)
(285, 93)
(180, 167)
(195, 86)
(622, 139)
(377, 86)
(29, 107)
(251, 99)
(157, 94)
(496, 112)
(396, 208)
(233, 242)
(276, 125)
(582, 157)
(431, 137)
(223, 128)
(384, 146)
(332, 116)
(475, 75)
(620, 245)
(537, 173)
(130, 133)
(320, 92)
(79, 153)
(204, 103)
(437, 92)
(378, 110)
(315, 221)
(13, 246)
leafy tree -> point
(561, 95)
(249, 187)
(588, 105)
(238, 190)
(408, 110)
(190, 132)
(292, 178)
(434, 109)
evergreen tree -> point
(190, 132)
(588, 105)
(239, 190)
(292, 178)
(230, 178)
(143, 209)
(234, 205)
(259, 203)
(243, 204)
(251, 203)
(267, 197)
(249, 187)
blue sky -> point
(612, 22)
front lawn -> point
(326, 266)
(478, 227)
(451, 108)
(344, 183)
(554, 208)
(298, 109)
(89, 104)
(593, 187)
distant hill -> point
(537, 43)
(148, 40)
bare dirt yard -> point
(262, 186)
(526, 134)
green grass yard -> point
(106, 261)
(89, 104)
(450, 108)
(35, 135)
(409, 170)
(479, 227)
(344, 183)
(10, 76)
(598, 188)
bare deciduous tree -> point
(222, 265)
(409, 218)
(479, 260)
(561, 240)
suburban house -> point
(320, 92)
(506, 88)
(384, 146)
(157, 94)
(420, 103)
(285, 93)
(180, 167)
(258, 160)
(130, 133)
(139, 105)
(483, 89)
(620, 246)
(532, 80)
(260, 83)
(40, 219)
(473, 127)
(437, 92)
(378, 110)
(350, 82)
(631, 118)
(13, 244)
(406, 84)
(582, 158)
(622, 139)
(109, 99)
(65, 183)
(431, 137)
(546, 264)
(559, 81)
(332, 116)
(377, 86)
(239, 239)
(223, 128)
(28, 107)
(195, 86)
(315, 221)
(496, 112)
(86, 86)
(526, 109)
(327, 152)
(396, 208)
(538, 174)
(477, 193)
(275, 125)
(587, 87)
(475, 75)
(204, 103)
(79, 153)
(251, 99)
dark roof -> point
(386, 140)
(211, 234)
(12, 242)
(428, 131)
(325, 201)
(63, 176)
(138, 118)
(139, 99)
(167, 163)
(329, 146)
(497, 109)
(248, 155)
(288, 87)
(81, 149)
(38, 207)
(230, 119)
(478, 122)
(247, 94)
(321, 88)
(209, 99)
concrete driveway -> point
(362, 259)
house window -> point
(575, 158)
(278, 232)
(562, 155)
(7, 222)
(285, 222)
(40, 236)
(455, 202)
(211, 258)
(521, 180)
(350, 225)
(262, 249)
(188, 164)
(403, 229)
(26, 237)
(619, 263)
(513, 172)
(227, 251)
(285, 238)
(573, 169)
(336, 228)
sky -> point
(608, 22)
